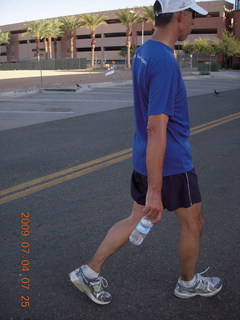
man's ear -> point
(180, 16)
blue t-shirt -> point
(158, 88)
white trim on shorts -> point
(188, 186)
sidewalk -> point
(28, 80)
(24, 81)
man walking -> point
(163, 176)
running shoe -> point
(204, 286)
(92, 287)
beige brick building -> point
(111, 38)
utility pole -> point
(237, 5)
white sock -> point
(190, 283)
(89, 273)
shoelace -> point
(99, 284)
(204, 280)
(205, 270)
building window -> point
(112, 21)
(204, 31)
(18, 31)
(146, 33)
(115, 34)
(41, 49)
(88, 36)
(113, 48)
(34, 40)
(88, 49)
(22, 41)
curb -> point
(18, 93)
(88, 87)
(83, 88)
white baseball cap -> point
(170, 6)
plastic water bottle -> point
(142, 229)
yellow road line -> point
(50, 180)
(63, 172)
(70, 176)
(214, 123)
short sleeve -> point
(162, 90)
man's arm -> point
(156, 147)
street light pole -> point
(142, 31)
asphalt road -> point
(71, 211)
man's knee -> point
(194, 227)
(191, 219)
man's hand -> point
(153, 209)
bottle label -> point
(141, 228)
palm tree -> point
(45, 40)
(4, 38)
(52, 31)
(148, 15)
(55, 33)
(36, 30)
(45, 47)
(69, 26)
(128, 18)
(92, 22)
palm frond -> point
(53, 29)
(70, 24)
(128, 17)
(4, 38)
(92, 21)
(36, 29)
(148, 15)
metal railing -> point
(197, 62)
(46, 64)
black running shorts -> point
(178, 191)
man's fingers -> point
(157, 218)
(154, 214)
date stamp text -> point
(25, 259)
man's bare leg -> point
(116, 237)
(191, 221)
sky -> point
(14, 11)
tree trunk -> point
(45, 47)
(93, 46)
(50, 47)
(55, 48)
(8, 51)
(129, 49)
(38, 49)
(71, 46)
(225, 61)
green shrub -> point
(236, 66)
(215, 66)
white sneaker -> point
(92, 287)
(204, 286)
